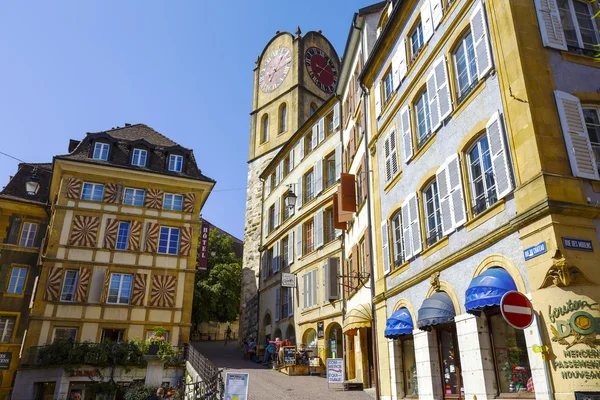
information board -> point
(289, 355)
(335, 370)
(288, 280)
(5, 359)
(236, 386)
(320, 330)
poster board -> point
(320, 330)
(236, 386)
(335, 370)
(289, 355)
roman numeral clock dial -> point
(321, 69)
(275, 69)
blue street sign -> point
(577, 244)
(535, 251)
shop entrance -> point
(290, 334)
(334, 341)
(452, 383)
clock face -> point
(321, 69)
(275, 69)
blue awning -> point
(400, 323)
(487, 289)
(437, 309)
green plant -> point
(172, 357)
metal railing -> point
(211, 386)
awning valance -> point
(400, 323)
(359, 317)
(487, 289)
(437, 309)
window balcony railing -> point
(330, 236)
(308, 195)
(308, 248)
(424, 138)
(434, 236)
(399, 260)
(467, 90)
(483, 203)
(330, 126)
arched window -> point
(265, 128)
(282, 118)
(313, 108)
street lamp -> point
(290, 199)
(32, 185)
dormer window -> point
(175, 163)
(139, 157)
(100, 151)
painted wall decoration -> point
(84, 231)
(152, 230)
(138, 291)
(53, 284)
(105, 284)
(74, 188)
(154, 198)
(189, 202)
(162, 293)
(110, 234)
(185, 243)
(112, 193)
(135, 233)
(83, 282)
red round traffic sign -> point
(516, 309)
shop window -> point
(120, 288)
(168, 242)
(592, 122)
(579, 26)
(112, 335)
(69, 285)
(175, 163)
(92, 192)
(422, 117)
(139, 157)
(510, 355)
(431, 205)
(173, 202)
(64, 334)
(481, 176)
(100, 151)
(397, 236)
(7, 324)
(17, 280)
(466, 68)
(452, 384)
(134, 197)
(28, 232)
(406, 367)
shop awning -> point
(487, 289)
(437, 309)
(400, 323)
(358, 317)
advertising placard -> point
(289, 355)
(288, 280)
(5, 358)
(236, 386)
(335, 370)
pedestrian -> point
(245, 349)
(269, 351)
(76, 396)
(227, 335)
(160, 394)
(251, 349)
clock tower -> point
(293, 76)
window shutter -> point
(299, 240)
(436, 12)
(326, 279)
(291, 165)
(15, 229)
(84, 231)
(301, 151)
(426, 21)
(351, 143)
(268, 184)
(154, 199)
(138, 291)
(315, 136)
(265, 270)
(135, 233)
(550, 24)
(305, 290)
(406, 237)
(52, 292)
(441, 177)
(4, 276)
(368, 250)
(577, 140)
(321, 129)
(189, 202)
(459, 214)
(152, 237)
(299, 193)
(396, 59)
(83, 282)
(41, 234)
(290, 295)
(499, 156)
(277, 303)
(267, 221)
(336, 115)
(391, 156)
(276, 180)
(378, 99)
(334, 286)
(74, 186)
(338, 161)
(105, 285)
(276, 256)
(434, 109)
(443, 90)
(415, 224)
(276, 214)
(318, 177)
(405, 128)
(319, 228)
(363, 176)
(110, 233)
(315, 287)
(290, 244)
(185, 241)
(355, 267)
(385, 247)
(481, 44)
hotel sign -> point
(203, 251)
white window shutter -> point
(290, 244)
(277, 303)
(550, 24)
(326, 280)
(577, 140)
(441, 177)
(321, 129)
(500, 164)
(290, 294)
(426, 21)
(415, 224)
(457, 199)
(291, 164)
(276, 255)
(268, 184)
(443, 89)
(378, 99)
(305, 290)
(406, 130)
(301, 150)
(299, 192)
(385, 247)
(318, 177)
(391, 156)
(299, 240)
(276, 175)
(481, 44)
(396, 67)
(336, 115)
(315, 137)
(402, 66)
(267, 222)
(434, 109)
(318, 228)
(315, 286)
(338, 161)
(276, 214)
(265, 272)
(406, 233)
(436, 12)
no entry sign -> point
(516, 309)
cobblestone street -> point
(269, 384)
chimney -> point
(127, 124)
(72, 144)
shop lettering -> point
(580, 374)
(577, 364)
(570, 306)
(581, 353)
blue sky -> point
(181, 67)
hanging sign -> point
(577, 244)
(236, 386)
(320, 330)
(288, 280)
(289, 355)
(535, 251)
(335, 370)
(203, 251)
(516, 309)
(5, 359)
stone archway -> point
(335, 341)
(290, 334)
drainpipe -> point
(365, 93)
(262, 199)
